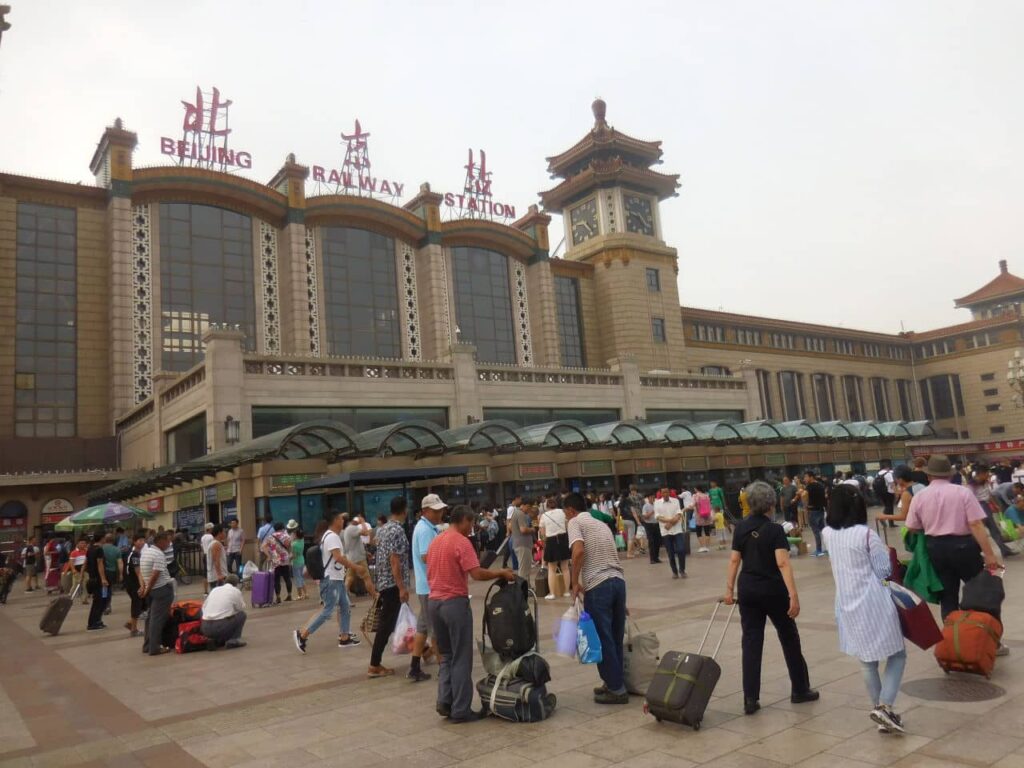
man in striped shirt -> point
(597, 576)
(159, 588)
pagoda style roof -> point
(603, 140)
(608, 173)
(1001, 286)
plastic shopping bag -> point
(588, 644)
(405, 631)
(565, 632)
(249, 569)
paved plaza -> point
(92, 698)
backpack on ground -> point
(185, 611)
(509, 620)
(190, 638)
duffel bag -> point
(514, 699)
(190, 638)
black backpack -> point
(880, 486)
(315, 560)
(509, 621)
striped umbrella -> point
(102, 514)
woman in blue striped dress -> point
(869, 626)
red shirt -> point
(450, 558)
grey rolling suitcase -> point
(684, 682)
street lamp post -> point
(1015, 377)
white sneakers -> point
(703, 550)
(549, 596)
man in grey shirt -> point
(521, 526)
(787, 499)
(352, 544)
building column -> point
(433, 280)
(753, 394)
(541, 291)
(632, 390)
(112, 166)
(225, 385)
(8, 304)
(468, 407)
(300, 317)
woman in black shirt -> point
(766, 591)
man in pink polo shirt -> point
(451, 561)
(954, 527)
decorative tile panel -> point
(446, 302)
(312, 293)
(142, 304)
(522, 313)
(270, 305)
(407, 272)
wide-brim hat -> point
(292, 525)
(938, 466)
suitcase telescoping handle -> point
(725, 629)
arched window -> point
(206, 276)
(483, 303)
(360, 293)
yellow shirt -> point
(719, 521)
(744, 504)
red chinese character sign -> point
(355, 176)
(204, 135)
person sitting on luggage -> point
(597, 577)
(767, 591)
(224, 614)
(451, 562)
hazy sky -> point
(856, 163)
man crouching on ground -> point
(597, 577)
(224, 614)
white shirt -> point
(668, 508)
(853, 482)
(890, 481)
(222, 603)
(334, 570)
(553, 522)
(510, 511)
(235, 536)
(686, 500)
(206, 541)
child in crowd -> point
(721, 530)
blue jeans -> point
(606, 604)
(883, 689)
(817, 521)
(334, 596)
(298, 576)
(675, 546)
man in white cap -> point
(431, 511)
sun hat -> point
(432, 501)
(938, 466)
(292, 525)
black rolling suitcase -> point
(56, 612)
(487, 557)
(684, 682)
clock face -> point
(583, 221)
(639, 216)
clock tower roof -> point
(606, 157)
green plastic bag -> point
(620, 543)
(921, 576)
(1007, 527)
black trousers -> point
(955, 559)
(653, 541)
(390, 604)
(282, 572)
(99, 604)
(754, 609)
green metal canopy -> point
(493, 435)
(674, 432)
(559, 435)
(625, 434)
(412, 436)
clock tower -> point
(608, 196)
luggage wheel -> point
(696, 726)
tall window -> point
(880, 397)
(814, 344)
(854, 398)
(658, 329)
(483, 303)
(187, 441)
(44, 329)
(705, 332)
(748, 336)
(764, 391)
(653, 279)
(844, 347)
(361, 293)
(206, 276)
(791, 392)
(905, 393)
(824, 396)
(782, 340)
(570, 322)
(941, 397)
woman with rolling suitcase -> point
(869, 626)
(767, 590)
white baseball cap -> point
(433, 501)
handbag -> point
(916, 620)
(371, 621)
(639, 658)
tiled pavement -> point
(93, 698)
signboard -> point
(287, 483)
(193, 519)
(55, 510)
(596, 467)
(210, 494)
(477, 475)
(537, 469)
(204, 135)
(841, 456)
(695, 463)
(736, 461)
(646, 466)
(155, 506)
(225, 491)
(1001, 445)
(956, 450)
(193, 498)
(807, 456)
(774, 459)
(12, 522)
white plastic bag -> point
(249, 569)
(565, 631)
(405, 631)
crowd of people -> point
(579, 543)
